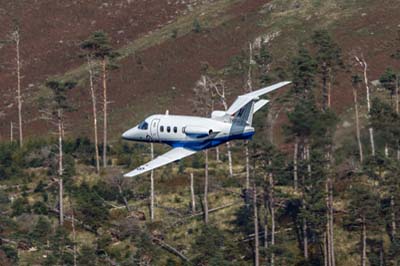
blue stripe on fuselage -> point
(208, 143)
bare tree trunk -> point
(305, 236)
(305, 226)
(295, 167)
(73, 234)
(221, 94)
(247, 165)
(250, 88)
(93, 95)
(192, 193)
(11, 131)
(328, 231)
(364, 65)
(228, 146)
(105, 117)
(330, 92)
(397, 94)
(266, 238)
(360, 149)
(256, 234)
(60, 168)
(16, 39)
(308, 157)
(217, 154)
(121, 193)
(397, 110)
(364, 244)
(393, 215)
(331, 233)
(386, 151)
(272, 209)
(326, 253)
(371, 136)
(249, 79)
(206, 188)
(152, 186)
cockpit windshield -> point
(143, 125)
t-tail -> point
(245, 106)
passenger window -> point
(162, 129)
(168, 129)
(175, 130)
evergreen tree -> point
(387, 124)
(303, 68)
(329, 60)
(98, 47)
(210, 248)
(364, 214)
(388, 80)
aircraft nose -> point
(128, 135)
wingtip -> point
(128, 175)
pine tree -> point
(58, 106)
(98, 47)
(364, 215)
(329, 61)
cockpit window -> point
(143, 125)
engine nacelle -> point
(198, 131)
(217, 114)
(220, 116)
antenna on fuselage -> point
(166, 112)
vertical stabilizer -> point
(243, 118)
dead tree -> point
(361, 61)
(206, 188)
(203, 105)
(272, 211)
(256, 233)
(295, 165)
(11, 131)
(355, 81)
(152, 186)
(94, 111)
(192, 193)
(250, 88)
(16, 38)
(219, 89)
(60, 165)
(75, 251)
(105, 114)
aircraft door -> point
(154, 129)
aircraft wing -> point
(168, 157)
(244, 99)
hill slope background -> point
(318, 202)
(160, 68)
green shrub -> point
(196, 26)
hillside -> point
(317, 185)
(153, 61)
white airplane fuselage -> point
(191, 132)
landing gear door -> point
(154, 129)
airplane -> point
(190, 134)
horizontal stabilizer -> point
(244, 99)
(168, 157)
(259, 104)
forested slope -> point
(318, 184)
